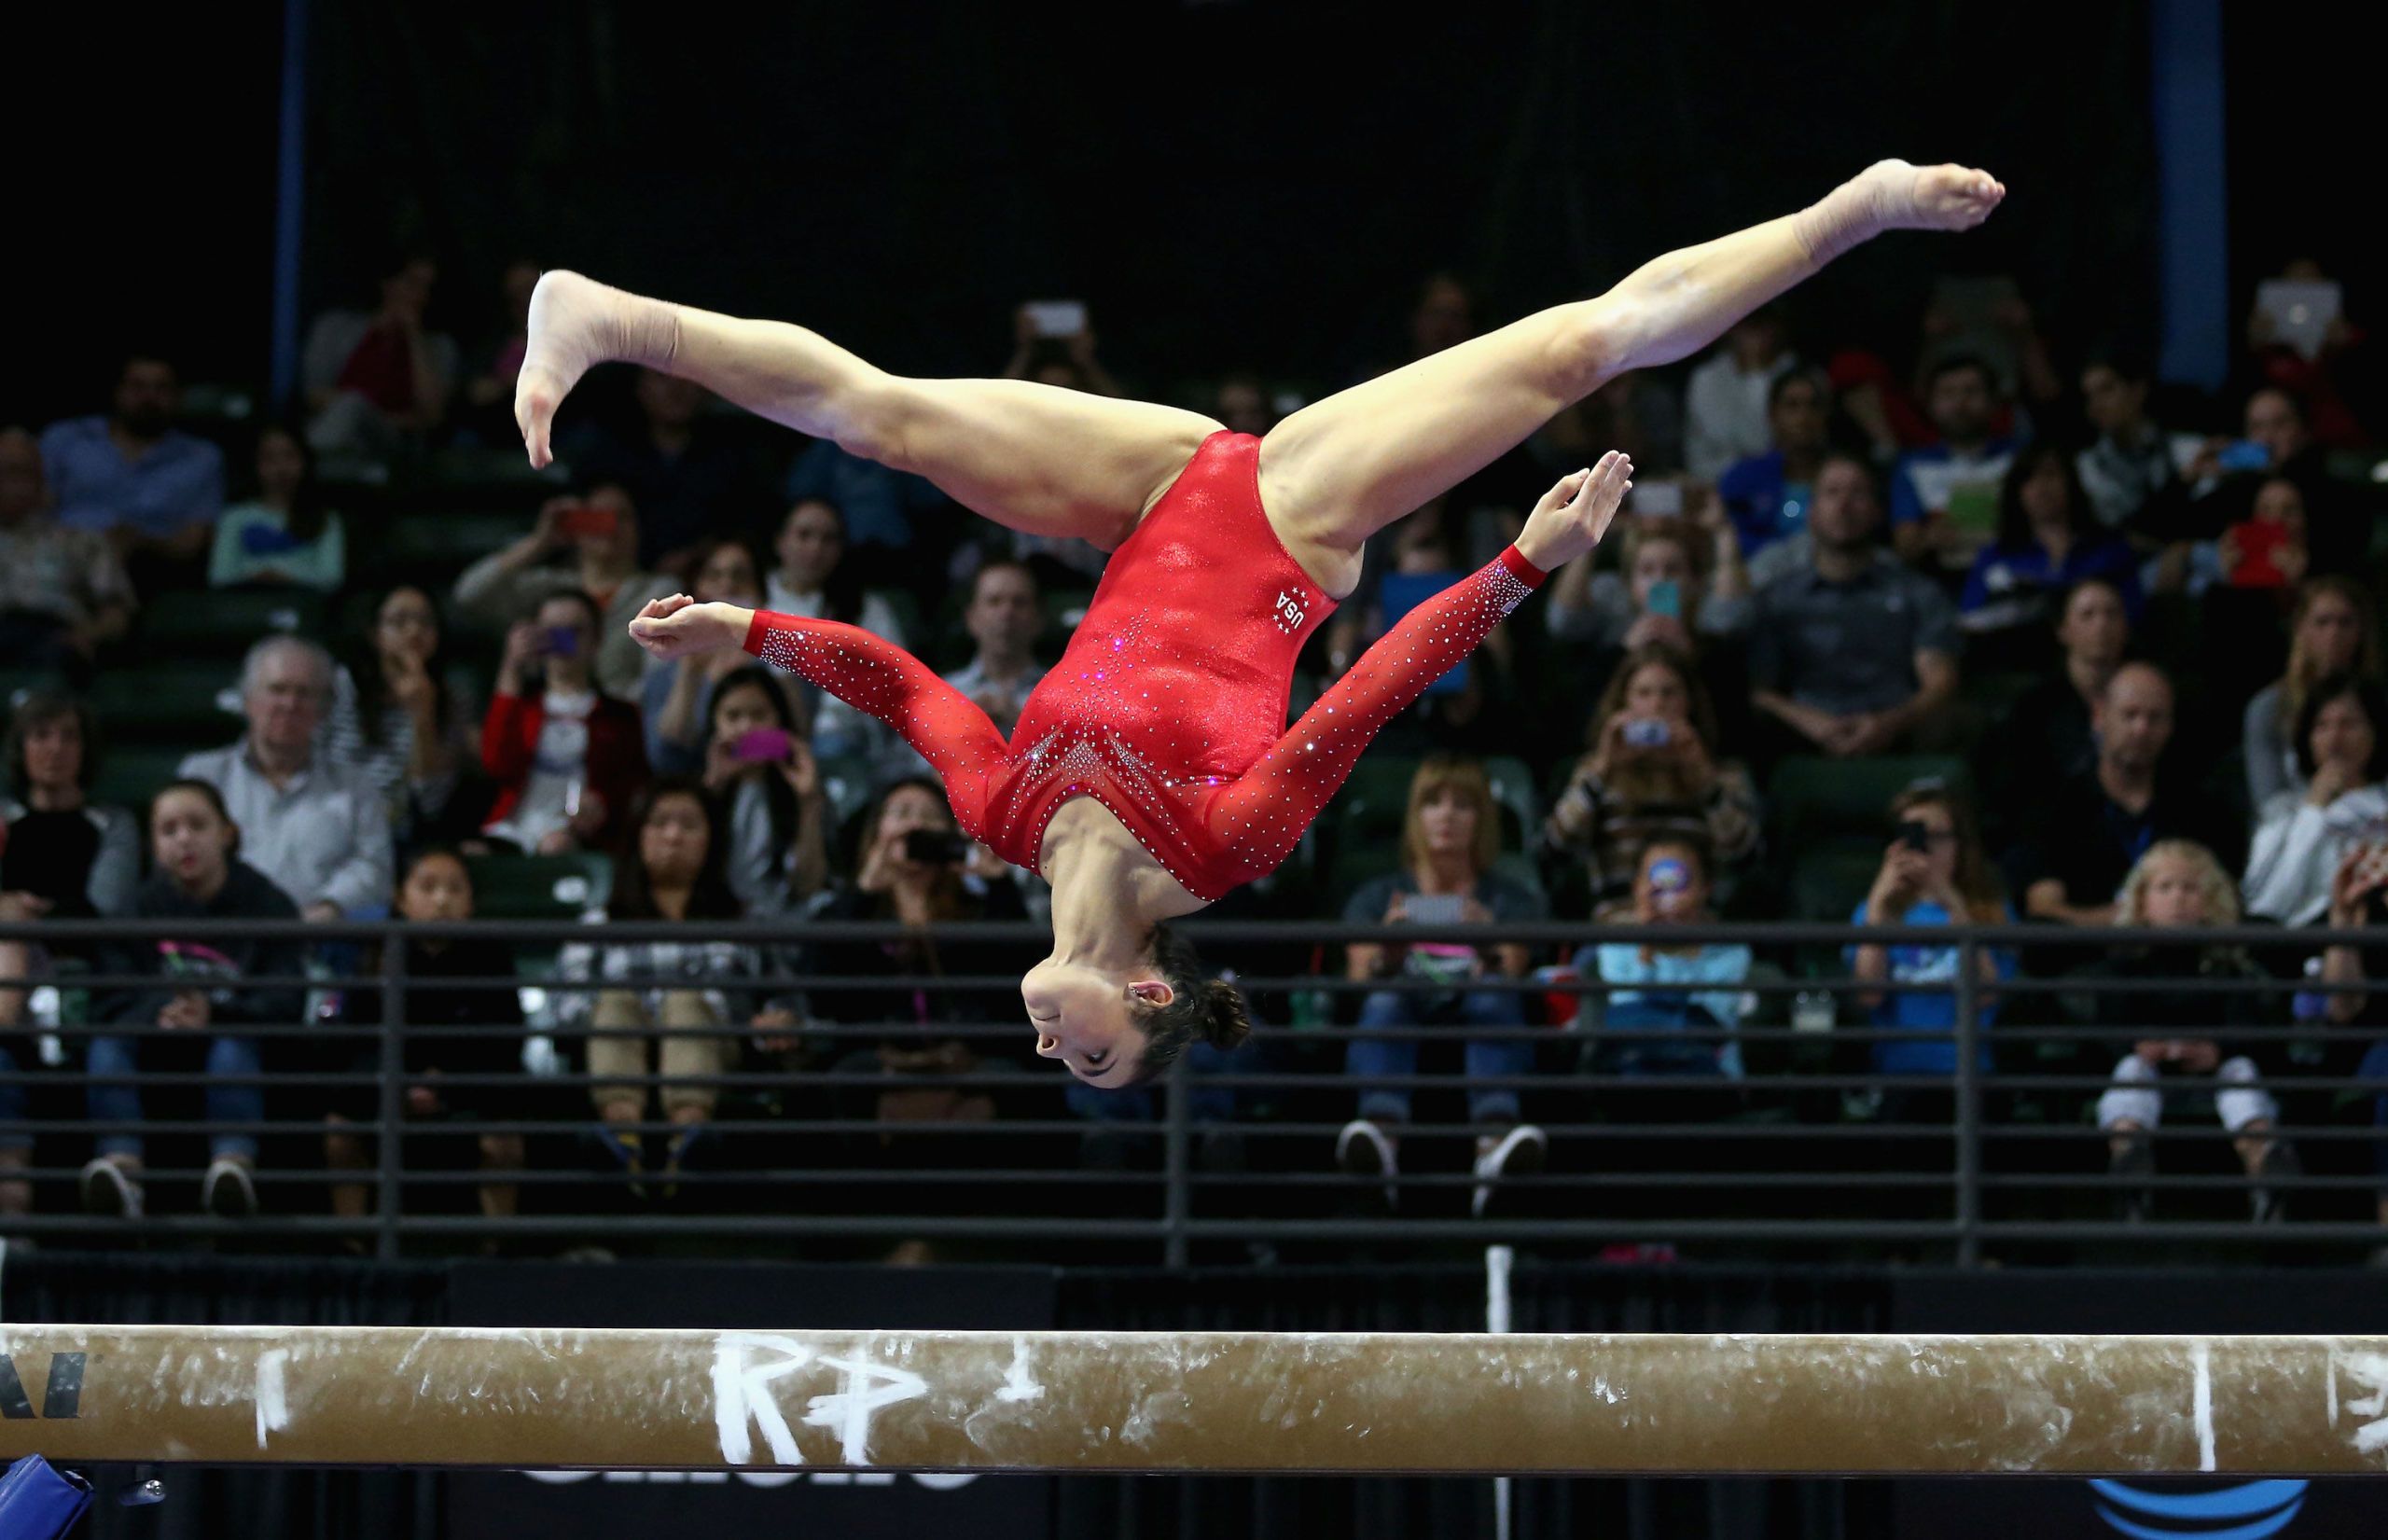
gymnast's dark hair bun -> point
(1205, 1007)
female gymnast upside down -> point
(1151, 771)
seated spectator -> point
(2276, 442)
(761, 774)
(1635, 413)
(664, 1008)
(404, 718)
(1065, 359)
(566, 759)
(1944, 498)
(1003, 617)
(199, 992)
(1402, 566)
(2331, 631)
(2046, 736)
(377, 383)
(2330, 377)
(2300, 837)
(489, 393)
(437, 890)
(1767, 497)
(2359, 900)
(1932, 873)
(1450, 839)
(912, 865)
(1242, 404)
(64, 594)
(1725, 402)
(284, 533)
(2089, 828)
(2132, 472)
(1652, 772)
(59, 856)
(2178, 884)
(688, 476)
(898, 527)
(317, 830)
(598, 528)
(2047, 542)
(1658, 994)
(1854, 654)
(676, 696)
(1683, 585)
(130, 475)
(813, 580)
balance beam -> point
(1201, 1401)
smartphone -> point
(1057, 317)
(1915, 834)
(1665, 598)
(1657, 500)
(1648, 732)
(1441, 909)
(583, 522)
(560, 641)
(769, 745)
(936, 848)
(2244, 454)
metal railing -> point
(1813, 1149)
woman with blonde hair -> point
(2188, 1032)
(2331, 631)
(1652, 771)
(1451, 838)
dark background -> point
(1228, 184)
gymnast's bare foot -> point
(1929, 198)
(574, 326)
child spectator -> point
(1657, 994)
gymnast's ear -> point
(1155, 992)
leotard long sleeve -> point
(1168, 706)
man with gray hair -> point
(316, 829)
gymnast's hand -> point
(1574, 515)
(677, 627)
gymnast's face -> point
(1085, 1016)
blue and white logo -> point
(2249, 1511)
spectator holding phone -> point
(2047, 542)
(1657, 994)
(2301, 837)
(2276, 441)
(284, 534)
(662, 1009)
(2359, 899)
(199, 999)
(676, 694)
(598, 528)
(759, 770)
(1932, 873)
(2178, 884)
(1053, 343)
(1683, 585)
(1652, 772)
(442, 1064)
(1450, 839)
(2268, 548)
(404, 717)
(2331, 631)
(566, 759)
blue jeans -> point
(1144, 1103)
(12, 1106)
(2375, 1067)
(116, 1108)
(1486, 1056)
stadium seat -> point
(435, 548)
(1816, 798)
(16, 683)
(225, 622)
(130, 776)
(177, 703)
(539, 887)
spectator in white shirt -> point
(1725, 416)
(2300, 837)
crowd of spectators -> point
(2007, 586)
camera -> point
(935, 847)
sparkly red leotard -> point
(1168, 706)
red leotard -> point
(1168, 706)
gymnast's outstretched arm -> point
(871, 674)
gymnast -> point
(1152, 772)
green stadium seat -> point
(130, 775)
(1813, 798)
(15, 684)
(225, 622)
(179, 704)
(436, 549)
(539, 887)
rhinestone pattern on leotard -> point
(1169, 705)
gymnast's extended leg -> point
(1034, 457)
(1335, 472)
